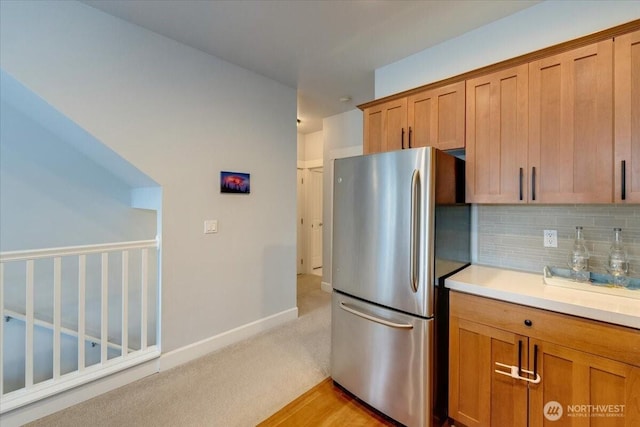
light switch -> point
(211, 226)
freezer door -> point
(383, 357)
(382, 229)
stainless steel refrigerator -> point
(400, 226)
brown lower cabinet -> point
(576, 372)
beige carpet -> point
(239, 385)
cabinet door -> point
(478, 396)
(627, 118)
(496, 131)
(575, 380)
(436, 117)
(571, 126)
(385, 126)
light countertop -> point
(529, 289)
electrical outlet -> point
(550, 238)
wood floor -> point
(326, 405)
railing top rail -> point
(75, 250)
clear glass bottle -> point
(618, 264)
(579, 258)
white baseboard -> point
(193, 351)
(50, 405)
(326, 287)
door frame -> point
(304, 250)
(309, 226)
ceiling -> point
(326, 49)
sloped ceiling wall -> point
(58, 185)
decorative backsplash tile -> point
(510, 236)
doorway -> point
(309, 221)
(300, 248)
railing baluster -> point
(104, 322)
(82, 285)
(32, 319)
(57, 307)
(125, 303)
(143, 297)
(1, 328)
(29, 311)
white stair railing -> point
(37, 300)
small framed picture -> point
(235, 182)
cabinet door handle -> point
(535, 360)
(402, 139)
(410, 136)
(520, 357)
(521, 180)
(533, 183)
(623, 172)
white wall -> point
(545, 24)
(343, 135)
(180, 116)
(310, 149)
(314, 146)
(51, 195)
(300, 147)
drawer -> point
(385, 362)
(607, 340)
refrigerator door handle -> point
(414, 238)
(385, 322)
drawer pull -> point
(528, 322)
(384, 322)
(513, 373)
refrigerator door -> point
(383, 219)
(382, 357)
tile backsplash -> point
(511, 236)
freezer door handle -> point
(414, 238)
(376, 319)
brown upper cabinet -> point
(571, 126)
(560, 125)
(385, 126)
(433, 117)
(436, 117)
(496, 153)
(543, 132)
(627, 118)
